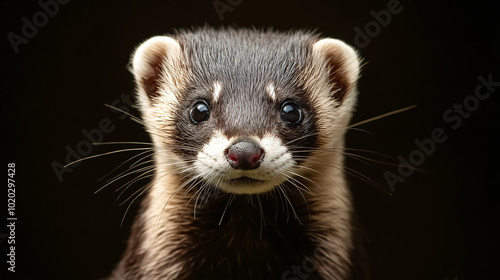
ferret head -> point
(242, 110)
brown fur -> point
(285, 233)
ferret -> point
(248, 132)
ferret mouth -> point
(247, 185)
(243, 180)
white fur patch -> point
(213, 167)
(211, 158)
(270, 91)
(217, 89)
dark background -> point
(440, 223)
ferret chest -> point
(254, 240)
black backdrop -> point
(440, 223)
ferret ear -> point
(342, 65)
(154, 64)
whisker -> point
(105, 154)
(133, 194)
(206, 185)
(120, 177)
(325, 188)
(185, 183)
(126, 186)
(360, 130)
(229, 201)
(144, 189)
(120, 143)
(123, 163)
(190, 199)
(354, 173)
(132, 117)
(289, 203)
(142, 122)
(292, 181)
(300, 138)
(337, 149)
(136, 169)
(383, 116)
(147, 169)
(262, 221)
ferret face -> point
(245, 141)
(244, 111)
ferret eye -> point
(290, 112)
(200, 112)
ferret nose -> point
(245, 155)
